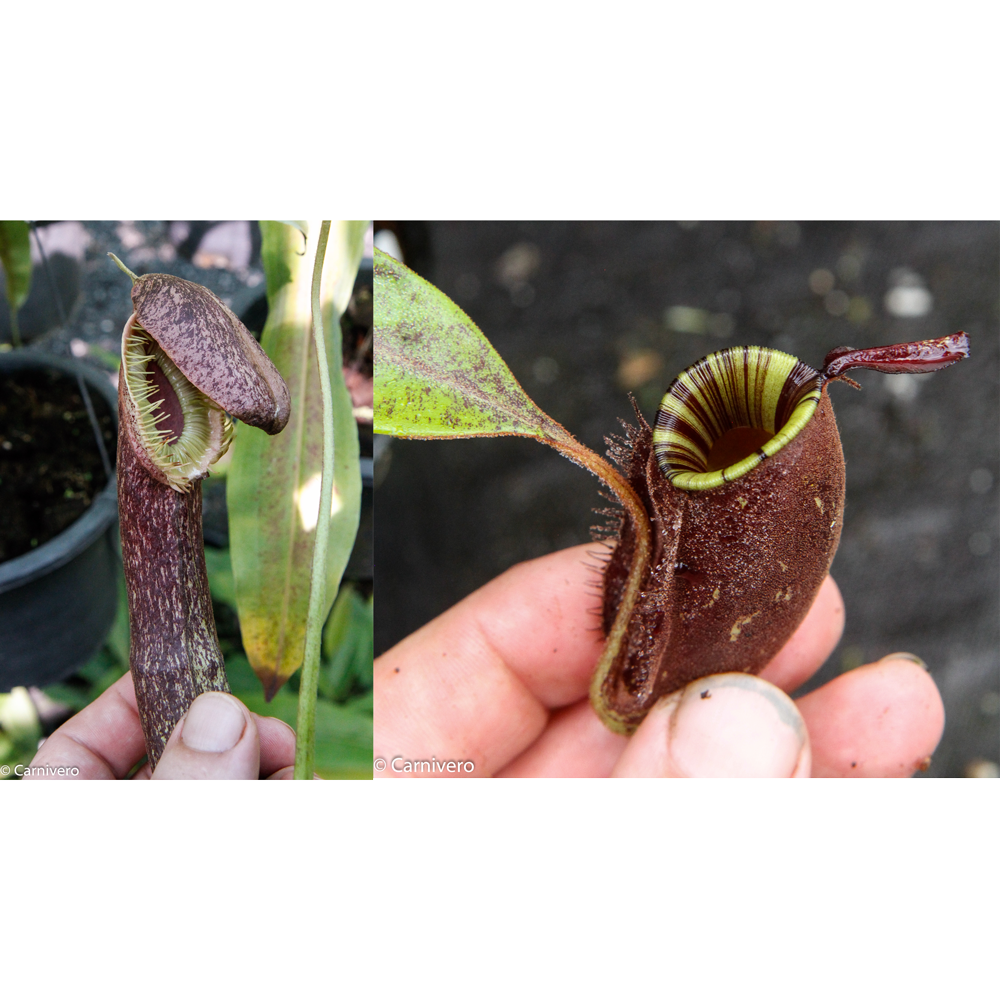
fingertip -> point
(272, 722)
(726, 726)
(884, 719)
(215, 723)
(919, 694)
(216, 738)
(277, 744)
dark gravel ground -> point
(580, 313)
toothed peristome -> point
(177, 431)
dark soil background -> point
(584, 312)
(50, 465)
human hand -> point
(501, 680)
(219, 737)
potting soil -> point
(50, 466)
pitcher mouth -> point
(725, 414)
(180, 429)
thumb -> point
(723, 726)
(216, 739)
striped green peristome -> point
(740, 405)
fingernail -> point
(912, 657)
(214, 723)
(736, 726)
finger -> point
(217, 738)
(543, 618)
(477, 682)
(103, 740)
(812, 642)
(722, 726)
(277, 744)
(575, 744)
(288, 773)
(877, 721)
(277, 749)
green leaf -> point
(436, 375)
(364, 656)
(343, 734)
(363, 704)
(15, 256)
(101, 671)
(338, 626)
(347, 646)
(242, 679)
(220, 575)
(19, 718)
(110, 359)
(273, 483)
(275, 250)
(302, 227)
(20, 730)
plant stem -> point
(305, 743)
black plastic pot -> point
(58, 602)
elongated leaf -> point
(436, 375)
(273, 483)
(347, 645)
(220, 575)
(277, 271)
(15, 256)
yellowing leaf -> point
(273, 483)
